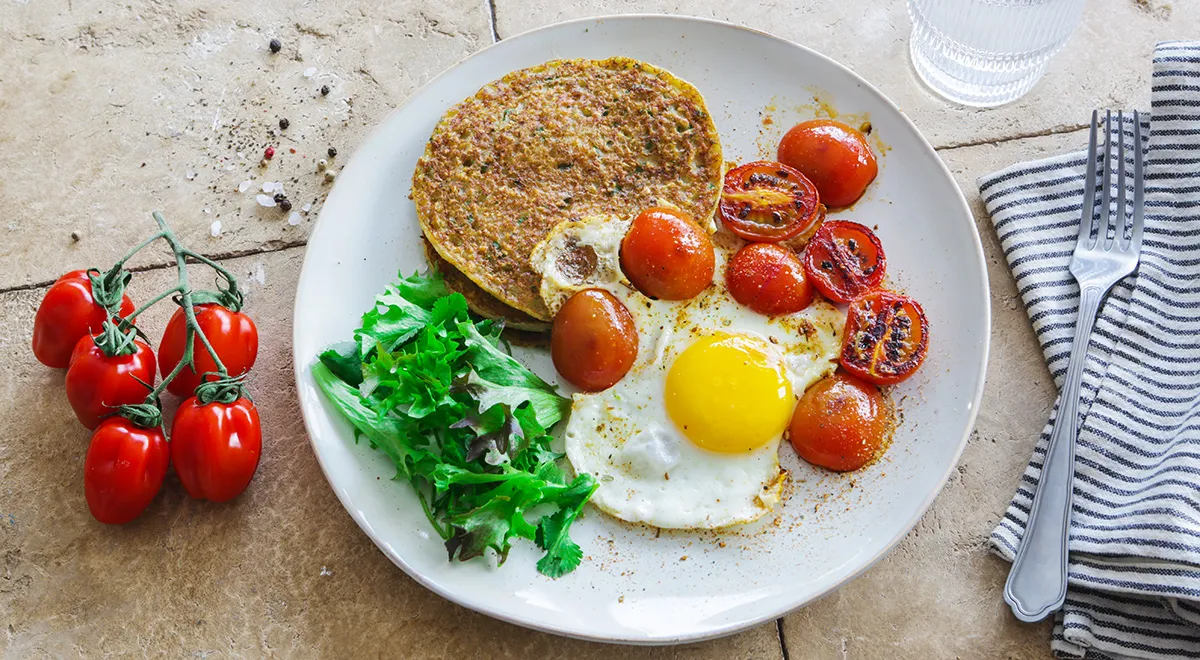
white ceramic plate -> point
(636, 585)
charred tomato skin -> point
(768, 202)
(844, 260)
(886, 337)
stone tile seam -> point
(221, 256)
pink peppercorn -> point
(269, 153)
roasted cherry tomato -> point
(844, 260)
(124, 469)
(666, 255)
(768, 279)
(886, 337)
(840, 423)
(593, 341)
(833, 156)
(67, 313)
(233, 336)
(216, 447)
(97, 383)
(768, 202)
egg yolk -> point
(729, 393)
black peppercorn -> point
(284, 123)
(285, 205)
(332, 152)
(280, 198)
(324, 90)
(276, 45)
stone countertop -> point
(108, 110)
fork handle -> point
(1037, 581)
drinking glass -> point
(988, 52)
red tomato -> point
(593, 341)
(216, 447)
(124, 470)
(840, 423)
(768, 202)
(768, 279)
(886, 337)
(232, 334)
(67, 313)
(97, 384)
(666, 255)
(844, 260)
(834, 156)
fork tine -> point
(1089, 188)
(1139, 194)
(1116, 220)
(1106, 183)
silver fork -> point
(1037, 581)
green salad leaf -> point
(464, 422)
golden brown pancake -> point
(566, 139)
(479, 301)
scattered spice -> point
(75, 237)
(284, 123)
(269, 153)
(332, 152)
(279, 198)
(292, 150)
(322, 164)
(275, 45)
(324, 90)
(330, 175)
(285, 204)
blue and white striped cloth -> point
(1135, 537)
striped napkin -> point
(1135, 539)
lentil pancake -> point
(558, 141)
(481, 302)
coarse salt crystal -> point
(294, 219)
(306, 208)
(215, 228)
(310, 72)
(245, 185)
(206, 211)
(191, 175)
(265, 200)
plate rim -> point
(301, 364)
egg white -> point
(649, 472)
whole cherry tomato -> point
(834, 156)
(768, 279)
(768, 202)
(216, 447)
(666, 255)
(886, 337)
(593, 341)
(840, 423)
(67, 313)
(124, 469)
(844, 260)
(233, 336)
(97, 383)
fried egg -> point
(689, 437)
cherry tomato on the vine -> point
(215, 447)
(666, 255)
(593, 341)
(834, 156)
(97, 383)
(886, 337)
(67, 313)
(124, 469)
(233, 336)
(844, 260)
(768, 279)
(768, 202)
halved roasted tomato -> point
(886, 337)
(768, 202)
(844, 260)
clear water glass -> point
(988, 52)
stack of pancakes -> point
(556, 142)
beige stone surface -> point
(90, 90)
(1107, 62)
(110, 109)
